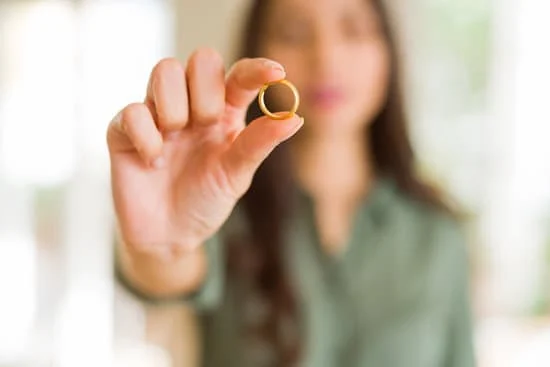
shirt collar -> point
(376, 206)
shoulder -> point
(438, 222)
(434, 242)
(428, 231)
(426, 246)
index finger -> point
(245, 79)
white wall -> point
(211, 23)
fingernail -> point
(274, 65)
(299, 126)
(158, 163)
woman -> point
(327, 251)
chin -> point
(333, 122)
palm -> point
(158, 206)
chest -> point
(381, 294)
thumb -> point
(253, 145)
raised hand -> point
(181, 159)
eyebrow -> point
(280, 18)
(360, 11)
(366, 10)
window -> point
(66, 67)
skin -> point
(182, 159)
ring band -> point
(279, 115)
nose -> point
(325, 53)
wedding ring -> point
(279, 115)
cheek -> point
(371, 79)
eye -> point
(291, 33)
(360, 28)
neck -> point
(333, 167)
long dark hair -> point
(269, 202)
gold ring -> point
(279, 115)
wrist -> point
(163, 272)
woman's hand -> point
(181, 159)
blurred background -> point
(477, 83)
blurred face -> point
(336, 55)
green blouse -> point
(396, 297)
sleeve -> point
(206, 297)
(460, 348)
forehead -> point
(321, 8)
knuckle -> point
(167, 65)
(168, 123)
(131, 113)
(241, 67)
(204, 56)
(243, 64)
(172, 118)
(207, 115)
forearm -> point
(162, 276)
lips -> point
(324, 97)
